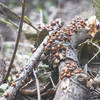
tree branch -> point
(11, 15)
(28, 69)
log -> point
(72, 79)
(72, 87)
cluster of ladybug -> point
(55, 48)
(57, 54)
(60, 34)
(69, 70)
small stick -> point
(37, 84)
(96, 53)
(52, 82)
(93, 57)
(17, 42)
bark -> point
(71, 88)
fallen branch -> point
(28, 69)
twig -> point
(14, 24)
(17, 41)
(10, 13)
(52, 82)
(96, 53)
(93, 57)
(1, 43)
(37, 84)
(9, 22)
(83, 43)
(30, 24)
(41, 18)
(59, 9)
(5, 10)
(94, 45)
